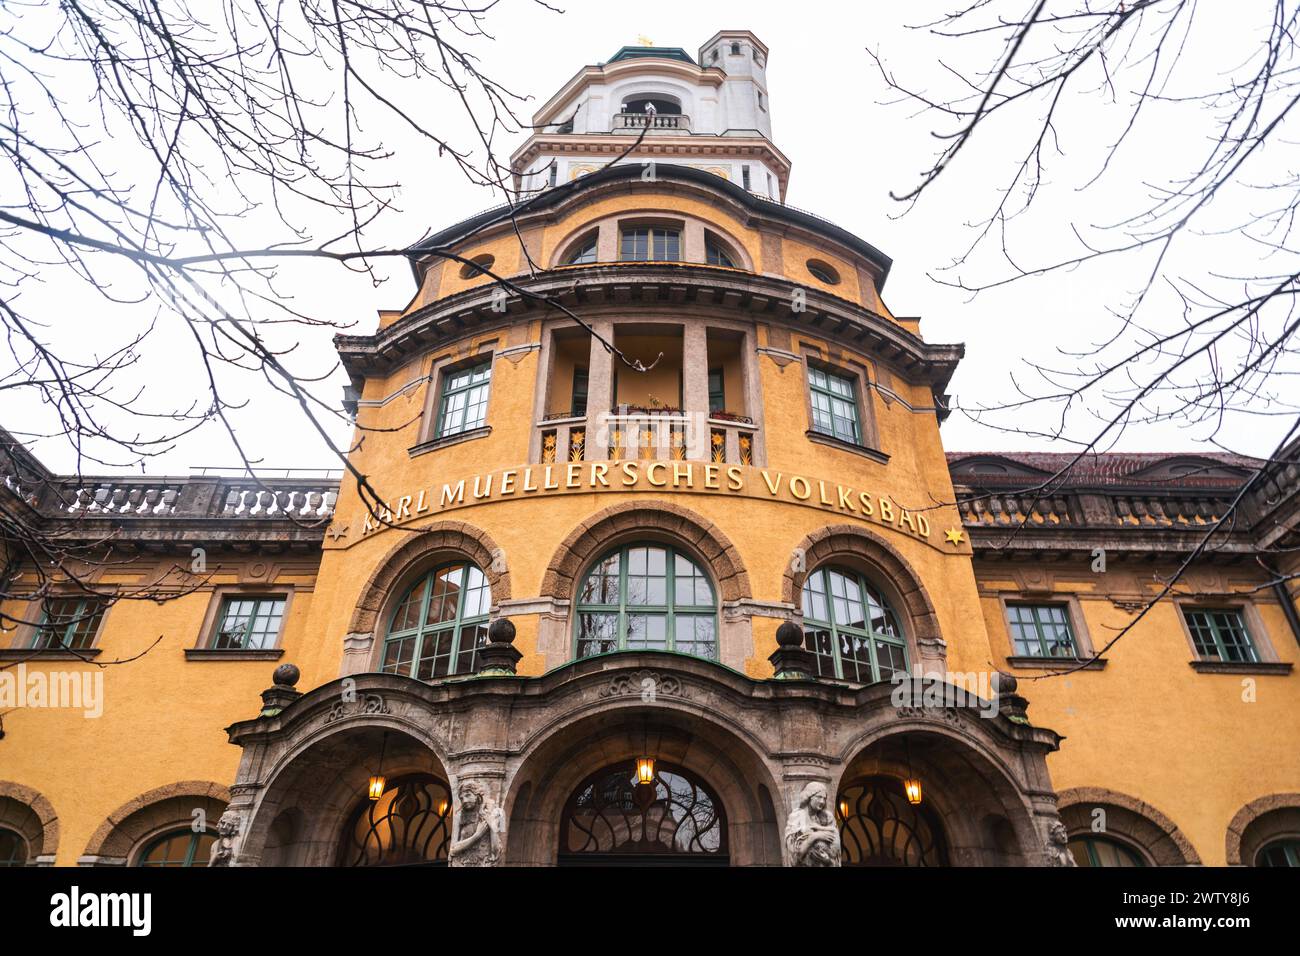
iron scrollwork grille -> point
(611, 817)
(878, 827)
(409, 825)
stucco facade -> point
(720, 457)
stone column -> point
(600, 391)
(693, 241)
(695, 389)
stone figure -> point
(1057, 851)
(479, 824)
(811, 836)
(223, 848)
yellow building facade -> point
(649, 536)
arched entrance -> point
(879, 827)
(409, 825)
(614, 819)
(970, 812)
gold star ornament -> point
(954, 535)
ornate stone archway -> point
(871, 553)
(28, 813)
(992, 808)
(150, 813)
(405, 561)
(1259, 821)
(523, 745)
(1130, 819)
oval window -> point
(477, 266)
(823, 272)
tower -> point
(711, 114)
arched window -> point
(179, 848)
(13, 849)
(583, 252)
(439, 624)
(850, 627)
(647, 597)
(612, 818)
(716, 254)
(1285, 852)
(1099, 851)
(878, 827)
(410, 824)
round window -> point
(476, 266)
(823, 272)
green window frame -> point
(578, 397)
(1284, 852)
(850, 628)
(247, 622)
(650, 244)
(717, 393)
(179, 848)
(463, 405)
(68, 623)
(1220, 634)
(1041, 630)
(1100, 852)
(834, 405)
(13, 848)
(646, 596)
(439, 625)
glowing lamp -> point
(376, 789)
(912, 787)
(844, 809)
(645, 769)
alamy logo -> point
(77, 690)
(75, 908)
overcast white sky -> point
(848, 153)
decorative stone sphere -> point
(789, 634)
(1004, 683)
(286, 675)
(501, 631)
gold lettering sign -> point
(528, 481)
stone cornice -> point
(667, 285)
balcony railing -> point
(672, 122)
(668, 435)
(247, 497)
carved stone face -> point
(817, 800)
(1060, 836)
(469, 798)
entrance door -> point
(613, 820)
(878, 827)
(409, 825)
